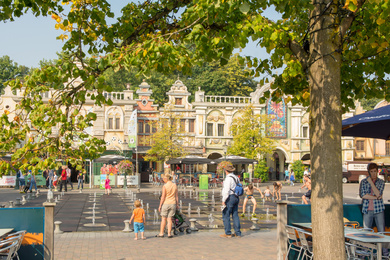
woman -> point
(277, 190)
(169, 202)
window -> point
(191, 126)
(387, 148)
(178, 101)
(110, 123)
(182, 125)
(360, 145)
(140, 127)
(154, 129)
(221, 131)
(147, 128)
(209, 129)
(305, 131)
(117, 123)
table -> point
(359, 235)
(5, 231)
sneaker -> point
(234, 235)
(225, 236)
(254, 215)
(243, 215)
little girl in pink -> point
(107, 185)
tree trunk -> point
(325, 133)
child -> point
(139, 220)
(292, 178)
(276, 191)
(267, 194)
(107, 186)
(55, 180)
(249, 196)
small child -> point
(267, 194)
(139, 220)
(55, 180)
(107, 186)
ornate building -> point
(206, 121)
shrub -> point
(261, 171)
(298, 167)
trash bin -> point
(203, 182)
(245, 176)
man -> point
(230, 203)
(286, 175)
(68, 175)
(371, 191)
(46, 177)
(80, 179)
(307, 184)
(63, 179)
(51, 178)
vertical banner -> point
(132, 130)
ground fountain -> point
(189, 209)
(267, 217)
(155, 217)
(198, 211)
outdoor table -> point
(5, 231)
(360, 236)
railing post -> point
(281, 237)
(49, 230)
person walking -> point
(45, 175)
(80, 180)
(139, 220)
(22, 182)
(68, 176)
(51, 178)
(292, 178)
(169, 202)
(230, 203)
(63, 179)
(33, 182)
(107, 186)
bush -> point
(298, 167)
(261, 171)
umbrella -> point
(235, 159)
(372, 124)
(111, 158)
(189, 159)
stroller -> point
(179, 223)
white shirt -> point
(228, 186)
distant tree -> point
(168, 141)
(298, 167)
(10, 70)
(369, 104)
(251, 135)
(261, 171)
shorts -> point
(267, 195)
(308, 194)
(168, 210)
(22, 182)
(55, 183)
(249, 196)
(139, 227)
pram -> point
(179, 223)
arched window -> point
(114, 119)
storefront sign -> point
(131, 180)
(8, 181)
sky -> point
(30, 39)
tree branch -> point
(347, 22)
(299, 53)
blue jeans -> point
(80, 181)
(379, 223)
(231, 209)
(33, 183)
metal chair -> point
(366, 229)
(359, 250)
(385, 245)
(19, 235)
(306, 245)
(293, 242)
(8, 248)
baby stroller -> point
(179, 223)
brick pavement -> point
(197, 245)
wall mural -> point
(277, 113)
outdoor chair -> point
(213, 182)
(19, 235)
(306, 245)
(8, 247)
(359, 250)
(293, 242)
(366, 229)
(385, 245)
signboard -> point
(132, 130)
(8, 180)
(131, 180)
(361, 167)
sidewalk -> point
(197, 245)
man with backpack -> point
(231, 191)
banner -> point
(8, 181)
(132, 130)
(131, 180)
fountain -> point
(292, 195)
(211, 221)
(147, 207)
(286, 197)
(299, 190)
(198, 211)
(213, 192)
(94, 224)
(181, 204)
(190, 194)
(155, 217)
(267, 218)
(248, 210)
(49, 196)
(213, 199)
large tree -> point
(10, 70)
(331, 52)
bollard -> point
(254, 224)
(11, 204)
(48, 253)
(81, 191)
(57, 229)
(33, 195)
(192, 225)
(18, 202)
(127, 226)
(24, 199)
(2, 206)
(37, 193)
(28, 196)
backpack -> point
(238, 190)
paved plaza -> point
(106, 240)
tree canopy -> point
(10, 70)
